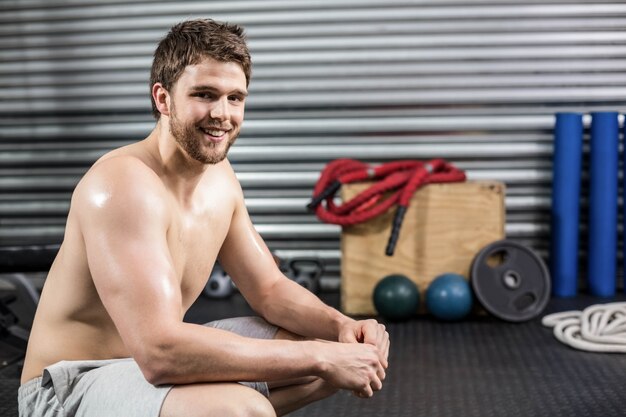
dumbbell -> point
(304, 271)
(219, 284)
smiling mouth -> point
(213, 132)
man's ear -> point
(161, 98)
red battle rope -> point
(402, 178)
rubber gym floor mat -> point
(486, 367)
(8, 396)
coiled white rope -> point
(598, 328)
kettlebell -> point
(306, 272)
(219, 284)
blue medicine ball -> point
(449, 297)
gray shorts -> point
(114, 387)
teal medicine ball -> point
(396, 297)
(449, 297)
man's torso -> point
(71, 321)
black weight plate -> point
(510, 281)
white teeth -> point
(214, 132)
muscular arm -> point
(124, 218)
(278, 299)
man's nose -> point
(220, 109)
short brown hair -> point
(187, 43)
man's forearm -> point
(191, 353)
(296, 309)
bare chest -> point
(194, 240)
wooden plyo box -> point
(443, 230)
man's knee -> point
(225, 400)
(250, 403)
(255, 407)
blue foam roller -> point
(624, 211)
(603, 171)
(568, 142)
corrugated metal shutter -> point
(476, 82)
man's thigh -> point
(224, 399)
(116, 389)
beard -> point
(190, 138)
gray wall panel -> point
(475, 81)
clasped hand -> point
(374, 362)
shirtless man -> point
(146, 224)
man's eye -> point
(235, 98)
(204, 95)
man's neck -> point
(179, 171)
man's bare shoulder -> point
(230, 177)
(120, 182)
